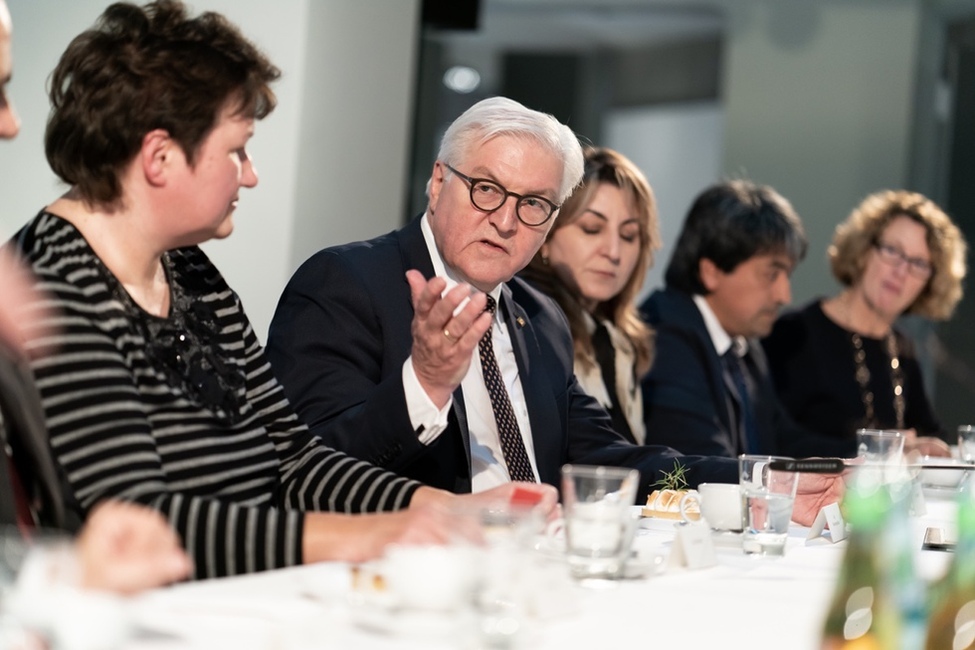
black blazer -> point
(341, 334)
(27, 435)
(686, 404)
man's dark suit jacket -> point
(341, 334)
(27, 435)
(686, 404)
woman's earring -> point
(545, 260)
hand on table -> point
(358, 538)
(434, 517)
(125, 548)
(925, 445)
(443, 342)
(814, 492)
(539, 496)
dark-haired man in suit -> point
(709, 390)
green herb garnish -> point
(673, 480)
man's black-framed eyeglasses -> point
(488, 196)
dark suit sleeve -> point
(680, 405)
(798, 441)
(593, 442)
(326, 345)
(590, 438)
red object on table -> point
(523, 497)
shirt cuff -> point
(428, 421)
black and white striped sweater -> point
(184, 413)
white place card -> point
(693, 547)
(829, 518)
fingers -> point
(126, 548)
(542, 497)
(815, 491)
(446, 328)
(422, 292)
(460, 317)
(929, 446)
(449, 314)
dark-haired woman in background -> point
(593, 263)
(839, 363)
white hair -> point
(497, 116)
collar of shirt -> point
(719, 338)
(440, 267)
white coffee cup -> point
(719, 503)
(431, 577)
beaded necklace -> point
(184, 349)
(863, 378)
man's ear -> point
(710, 274)
(544, 250)
(157, 156)
(436, 184)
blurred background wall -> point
(826, 101)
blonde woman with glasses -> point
(840, 363)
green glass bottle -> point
(860, 616)
(904, 588)
(951, 623)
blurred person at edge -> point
(840, 363)
(593, 263)
(160, 388)
(122, 547)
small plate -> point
(941, 474)
(643, 563)
(381, 617)
(726, 538)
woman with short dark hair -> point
(157, 390)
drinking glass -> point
(966, 442)
(882, 451)
(599, 518)
(883, 446)
(767, 497)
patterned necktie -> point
(748, 434)
(512, 444)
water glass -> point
(767, 497)
(966, 442)
(880, 446)
(599, 518)
(882, 451)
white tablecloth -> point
(309, 607)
